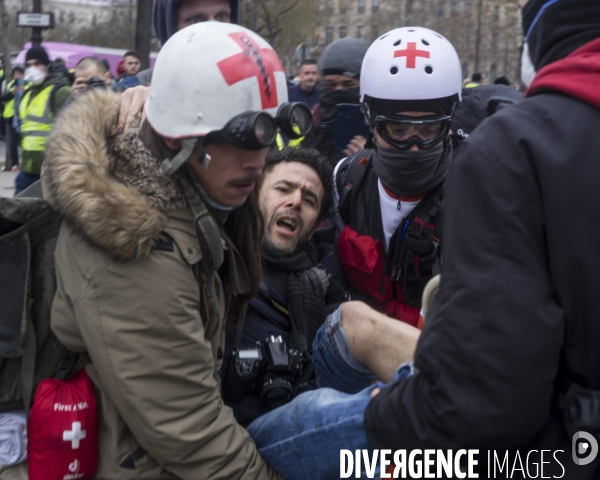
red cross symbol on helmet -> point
(253, 61)
(411, 53)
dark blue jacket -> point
(296, 94)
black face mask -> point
(330, 97)
(410, 173)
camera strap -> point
(265, 292)
(239, 330)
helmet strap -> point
(170, 167)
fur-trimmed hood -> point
(109, 187)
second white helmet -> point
(411, 64)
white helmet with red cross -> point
(411, 69)
(208, 73)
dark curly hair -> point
(313, 159)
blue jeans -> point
(303, 439)
(24, 180)
(335, 365)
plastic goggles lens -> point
(401, 131)
(405, 133)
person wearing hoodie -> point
(171, 16)
(47, 94)
(508, 358)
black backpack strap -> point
(359, 165)
(207, 230)
(430, 209)
(28, 366)
(411, 238)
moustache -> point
(247, 180)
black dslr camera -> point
(95, 82)
(270, 370)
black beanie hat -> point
(343, 57)
(37, 53)
(165, 17)
(556, 28)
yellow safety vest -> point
(36, 120)
(9, 107)
(293, 142)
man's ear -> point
(107, 78)
(173, 143)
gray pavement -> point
(7, 179)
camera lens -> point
(276, 390)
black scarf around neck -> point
(306, 286)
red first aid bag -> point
(62, 432)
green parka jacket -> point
(136, 301)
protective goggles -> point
(404, 132)
(257, 130)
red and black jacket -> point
(392, 281)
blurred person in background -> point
(10, 116)
(132, 63)
(46, 96)
(307, 89)
(90, 72)
(340, 83)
